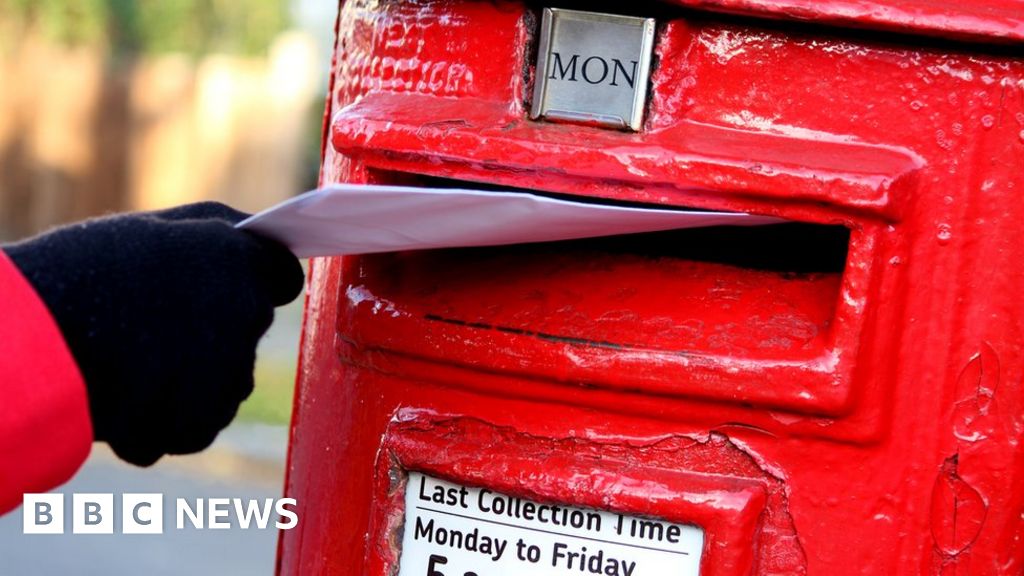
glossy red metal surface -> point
(979, 20)
(867, 421)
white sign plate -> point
(453, 530)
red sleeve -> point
(45, 430)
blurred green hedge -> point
(153, 26)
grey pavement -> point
(246, 462)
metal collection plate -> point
(593, 68)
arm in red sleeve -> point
(45, 430)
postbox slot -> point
(792, 248)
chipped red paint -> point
(673, 477)
(863, 422)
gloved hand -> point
(162, 312)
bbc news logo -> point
(144, 513)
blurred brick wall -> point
(81, 135)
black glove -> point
(162, 312)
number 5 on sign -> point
(438, 560)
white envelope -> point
(363, 219)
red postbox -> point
(842, 395)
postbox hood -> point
(990, 21)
